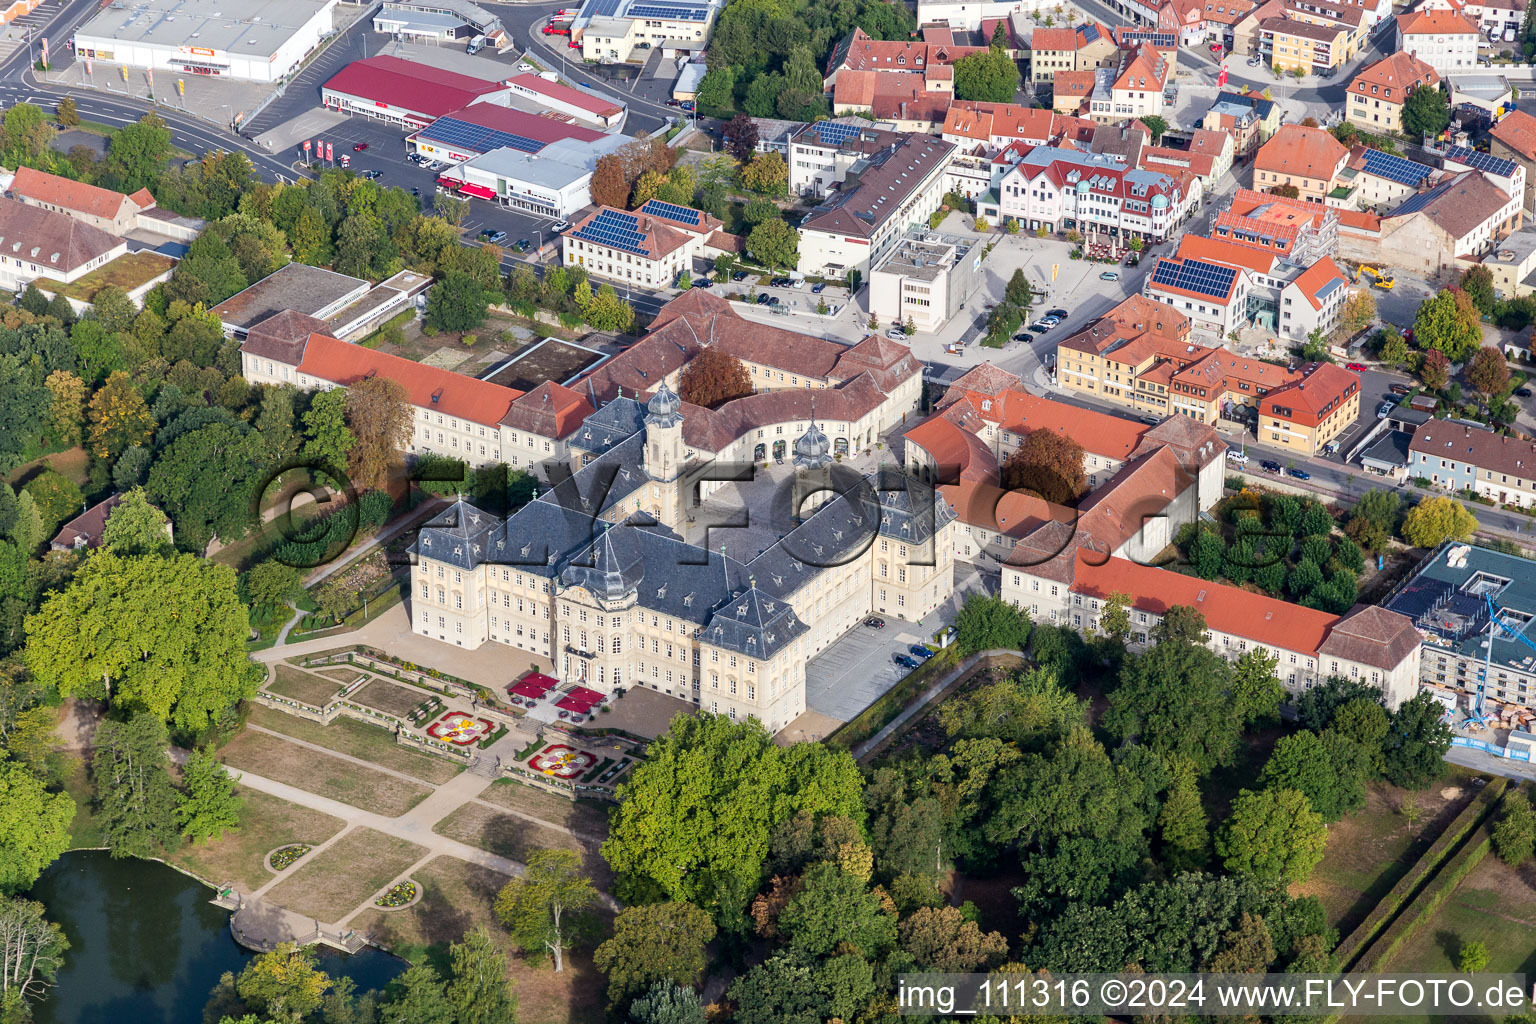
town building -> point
(906, 103)
(36, 242)
(1213, 295)
(87, 530)
(439, 21)
(1445, 40)
(1450, 599)
(554, 182)
(1501, 172)
(1309, 159)
(1314, 301)
(925, 279)
(404, 92)
(819, 156)
(312, 291)
(993, 126)
(649, 246)
(881, 196)
(1462, 457)
(1514, 138)
(112, 212)
(1133, 88)
(1311, 412)
(1437, 230)
(383, 301)
(482, 128)
(1251, 120)
(613, 31)
(549, 94)
(972, 15)
(1513, 266)
(1208, 157)
(1496, 18)
(1296, 230)
(1066, 189)
(1377, 93)
(1290, 43)
(1084, 48)
(262, 41)
(1376, 180)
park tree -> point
(1427, 112)
(740, 134)
(210, 807)
(1181, 624)
(544, 909)
(27, 530)
(653, 942)
(774, 243)
(1330, 769)
(1274, 835)
(1181, 824)
(668, 1003)
(765, 173)
(1448, 323)
(32, 951)
(990, 77)
(714, 377)
(1256, 689)
(1488, 372)
(988, 623)
(685, 832)
(283, 983)
(1473, 957)
(34, 827)
(135, 527)
(1416, 743)
(837, 910)
(57, 498)
(1027, 710)
(166, 636)
(1435, 520)
(941, 939)
(23, 411)
(379, 415)
(119, 417)
(457, 303)
(66, 407)
(1049, 464)
(139, 152)
(1364, 721)
(1477, 282)
(607, 312)
(137, 803)
(1176, 698)
(477, 986)
(328, 439)
(417, 997)
(1359, 311)
(272, 584)
(1514, 837)
(1246, 949)
(205, 481)
(717, 92)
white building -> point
(260, 40)
(649, 246)
(583, 106)
(880, 198)
(820, 155)
(37, 242)
(968, 15)
(1213, 295)
(1314, 301)
(1445, 40)
(554, 182)
(925, 280)
(1061, 189)
(610, 31)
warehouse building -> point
(257, 40)
(439, 21)
(405, 92)
(551, 95)
(486, 127)
(555, 182)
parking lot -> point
(859, 667)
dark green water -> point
(146, 946)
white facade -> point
(1056, 199)
(1217, 316)
(969, 14)
(208, 44)
(1446, 52)
(833, 253)
(21, 266)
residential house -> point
(1377, 93)
(1308, 414)
(1446, 40)
(1133, 89)
(648, 247)
(1250, 119)
(1314, 301)
(1309, 159)
(1083, 48)
(1462, 457)
(1514, 138)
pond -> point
(146, 945)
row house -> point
(1132, 89)
(1060, 189)
(1460, 457)
(1084, 48)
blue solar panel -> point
(833, 134)
(678, 13)
(1415, 203)
(671, 211)
(1480, 161)
(453, 132)
(1197, 276)
(615, 229)
(1395, 168)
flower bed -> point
(460, 729)
(562, 762)
(399, 895)
(284, 856)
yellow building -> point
(1292, 43)
(1312, 412)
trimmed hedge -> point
(1472, 815)
(1424, 906)
(892, 702)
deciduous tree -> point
(667, 1003)
(990, 77)
(210, 807)
(66, 407)
(1488, 372)
(457, 303)
(283, 983)
(205, 481)
(379, 415)
(1416, 743)
(1514, 837)
(31, 951)
(1447, 323)
(775, 243)
(1426, 112)
(1274, 835)
(741, 137)
(34, 826)
(1181, 825)
(1049, 464)
(135, 527)
(119, 417)
(477, 987)
(714, 377)
(1330, 769)
(941, 939)
(1359, 310)
(991, 623)
(765, 173)
(543, 909)
(653, 942)
(1436, 520)
(607, 312)
(328, 439)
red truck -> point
(558, 27)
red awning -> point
(572, 704)
(534, 684)
(478, 191)
(448, 182)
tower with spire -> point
(813, 469)
(665, 456)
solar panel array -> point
(1197, 276)
(671, 211)
(1481, 161)
(674, 12)
(1417, 202)
(616, 230)
(453, 132)
(833, 134)
(1395, 168)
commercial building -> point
(881, 196)
(1131, 89)
(611, 31)
(1445, 40)
(552, 95)
(312, 291)
(1063, 189)
(1308, 158)
(405, 92)
(1213, 295)
(439, 21)
(486, 127)
(1378, 92)
(554, 182)
(819, 156)
(1448, 601)
(925, 280)
(260, 40)
(36, 242)
(383, 301)
(1316, 409)
(1083, 48)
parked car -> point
(797, 284)
(372, 175)
(560, 226)
(1216, 48)
(1040, 326)
(920, 652)
(674, 103)
(358, 147)
(1401, 389)
(818, 288)
(1300, 474)
(1270, 466)
(702, 282)
(906, 661)
(1109, 275)
(1233, 455)
(524, 244)
(415, 191)
(1384, 409)
(762, 300)
(740, 275)
(1025, 337)
(494, 237)
(875, 622)
(1059, 314)
(1357, 367)
(896, 334)
(1522, 392)
(1255, 61)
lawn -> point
(517, 838)
(84, 832)
(370, 742)
(1495, 904)
(322, 774)
(314, 690)
(266, 822)
(391, 698)
(344, 676)
(588, 819)
(456, 897)
(330, 885)
(1370, 850)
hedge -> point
(892, 702)
(1472, 815)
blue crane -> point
(1495, 624)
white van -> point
(475, 45)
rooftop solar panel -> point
(615, 229)
(453, 132)
(833, 134)
(1197, 276)
(1480, 161)
(673, 12)
(1418, 201)
(1395, 168)
(671, 211)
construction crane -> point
(1379, 279)
(1496, 625)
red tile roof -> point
(1314, 277)
(1299, 150)
(419, 88)
(428, 387)
(73, 195)
(1221, 251)
(1435, 23)
(1517, 130)
(549, 410)
(1315, 397)
(1400, 71)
